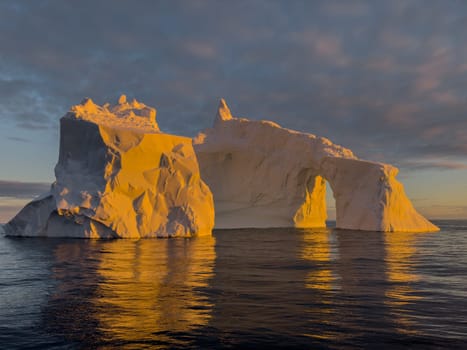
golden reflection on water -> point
(150, 286)
(316, 248)
(400, 251)
(321, 282)
(137, 293)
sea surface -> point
(268, 288)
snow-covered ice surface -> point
(119, 176)
(263, 175)
(132, 115)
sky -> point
(387, 79)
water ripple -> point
(276, 288)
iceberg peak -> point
(88, 105)
(122, 99)
(223, 112)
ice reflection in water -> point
(151, 286)
(359, 301)
(364, 280)
(132, 292)
(317, 249)
(266, 288)
(400, 251)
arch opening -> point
(330, 206)
(317, 203)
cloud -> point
(203, 50)
(403, 115)
(433, 165)
(14, 195)
(382, 64)
(25, 102)
(383, 78)
(346, 8)
(447, 97)
(438, 211)
(19, 139)
(9, 207)
(16, 189)
(323, 45)
(33, 126)
(393, 39)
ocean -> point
(249, 288)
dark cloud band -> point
(22, 189)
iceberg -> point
(118, 176)
(263, 175)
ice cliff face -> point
(263, 175)
(119, 176)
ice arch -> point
(263, 175)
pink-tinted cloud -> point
(346, 8)
(16, 189)
(439, 211)
(446, 97)
(433, 71)
(402, 115)
(393, 39)
(434, 164)
(201, 49)
(324, 45)
(426, 83)
(433, 132)
(9, 207)
(383, 65)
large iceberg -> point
(119, 176)
(263, 175)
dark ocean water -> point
(271, 288)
